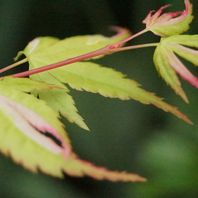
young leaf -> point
(167, 63)
(171, 23)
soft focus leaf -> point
(34, 137)
(77, 167)
(25, 120)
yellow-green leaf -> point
(93, 78)
(180, 45)
(168, 64)
(56, 50)
(60, 99)
(167, 72)
(34, 137)
(67, 48)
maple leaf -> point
(86, 76)
(168, 64)
(17, 108)
(65, 48)
(33, 136)
(171, 23)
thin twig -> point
(13, 65)
(135, 47)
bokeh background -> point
(125, 135)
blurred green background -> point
(125, 135)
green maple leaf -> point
(86, 76)
(61, 100)
(33, 136)
(168, 64)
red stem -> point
(103, 51)
(82, 57)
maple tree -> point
(31, 131)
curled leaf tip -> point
(188, 7)
(170, 23)
(119, 30)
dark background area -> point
(125, 135)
